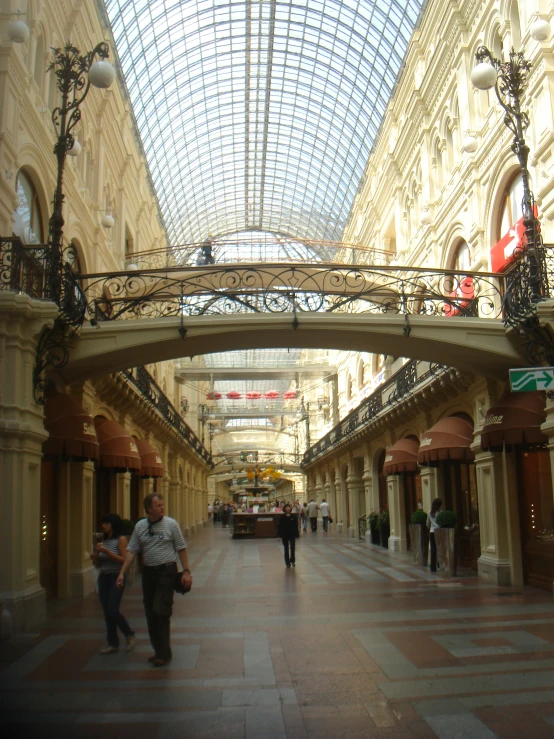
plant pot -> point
(374, 534)
(447, 553)
(384, 533)
(419, 537)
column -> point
(22, 599)
(429, 486)
(367, 480)
(494, 563)
(395, 491)
(123, 494)
(145, 487)
(354, 486)
(339, 501)
(75, 517)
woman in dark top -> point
(287, 531)
(108, 558)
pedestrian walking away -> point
(108, 558)
(312, 514)
(324, 509)
(160, 541)
(432, 525)
(287, 531)
(304, 515)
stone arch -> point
(32, 173)
(504, 171)
(454, 236)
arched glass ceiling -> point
(259, 114)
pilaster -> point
(22, 599)
(398, 541)
(123, 494)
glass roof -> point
(259, 114)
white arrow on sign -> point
(544, 379)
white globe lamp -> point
(483, 76)
(107, 220)
(425, 217)
(540, 30)
(469, 143)
(18, 32)
(101, 74)
(75, 149)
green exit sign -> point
(531, 378)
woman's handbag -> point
(179, 587)
(329, 519)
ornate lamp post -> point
(75, 73)
(528, 284)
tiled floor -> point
(354, 642)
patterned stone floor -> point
(354, 642)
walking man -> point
(162, 544)
(324, 508)
(312, 514)
(287, 531)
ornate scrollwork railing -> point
(397, 387)
(24, 269)
(278, 288)
(142, 380)
(362, 526)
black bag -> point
(179, 587)
(330, 520)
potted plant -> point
(419, 537)
(384, 528)
(373, 523)
(445, 538)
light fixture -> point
(469, 143)
(107, 220)
(540, 30)
(426, 219)
(18, 30)
(75, 149)
(131, 267)
(101, 74)
(483, 76)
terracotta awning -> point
(150, 459)
(401, 457)
(117, 447)
(515, 419)
(450, 438)
(70, 427)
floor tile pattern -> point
(356, 641)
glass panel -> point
(259, 115)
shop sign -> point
(531, 379)
(506, 250)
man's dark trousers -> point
(289, 545)
(313, 523)
(158, 585)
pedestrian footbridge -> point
(137, 318)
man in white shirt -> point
(312, 514)
(324, 508)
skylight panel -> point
(259, 113)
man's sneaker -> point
(130, 643)
(109, 650)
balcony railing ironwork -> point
(388, 394)
(142, 380)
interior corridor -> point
(354, 642)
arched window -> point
(439, 174)
(511, 209)
(27, 216)
(461, 260)
(515, 24)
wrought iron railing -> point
(24, 269)
(142, 380)
(280, 288)
(362, 526)
(267, 458)
(385, 396)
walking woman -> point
(432, 525)
(109, 557)
(287, 531)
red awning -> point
(117, 447)
(401, 457)
(70, 427)
(150, 459)
(449, 438)
(515, 419)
